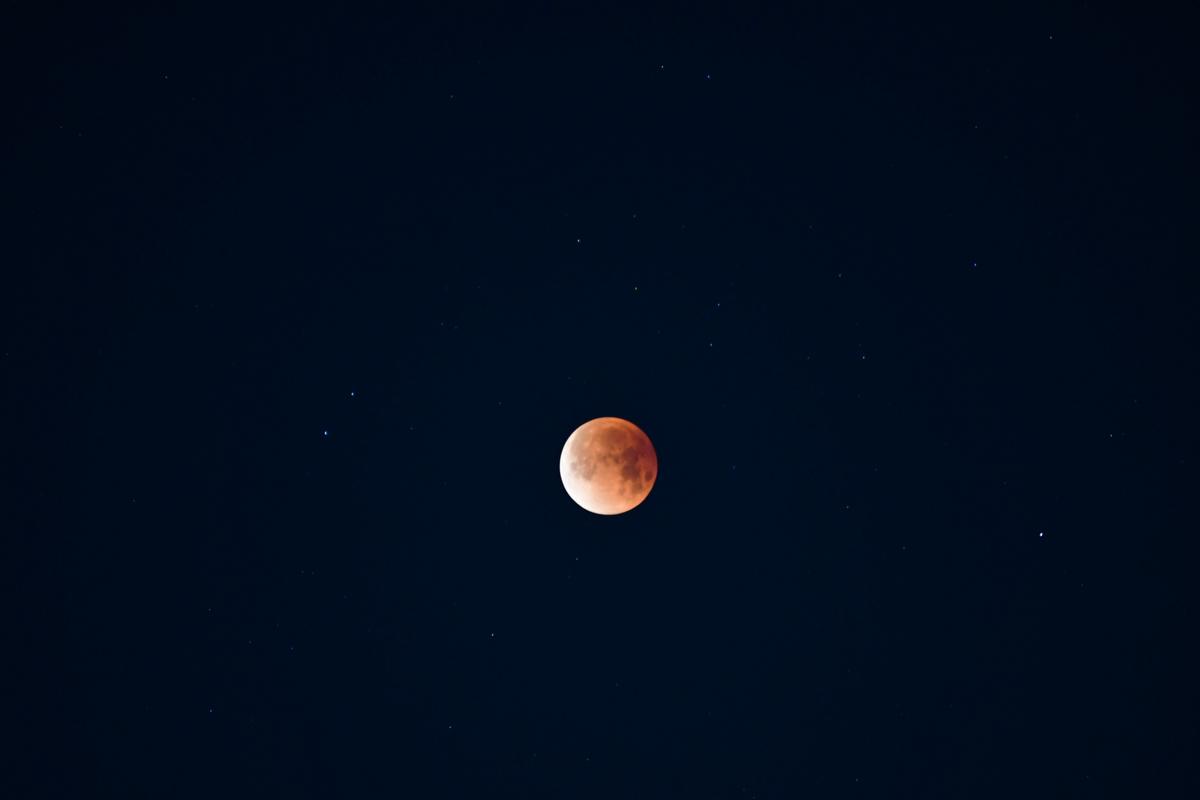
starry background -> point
(300, 306)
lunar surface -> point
(608, 465)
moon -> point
(608, 465)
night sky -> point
(298, 308)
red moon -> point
(608, 465)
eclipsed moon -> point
(608, 465)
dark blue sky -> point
(300, 307)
